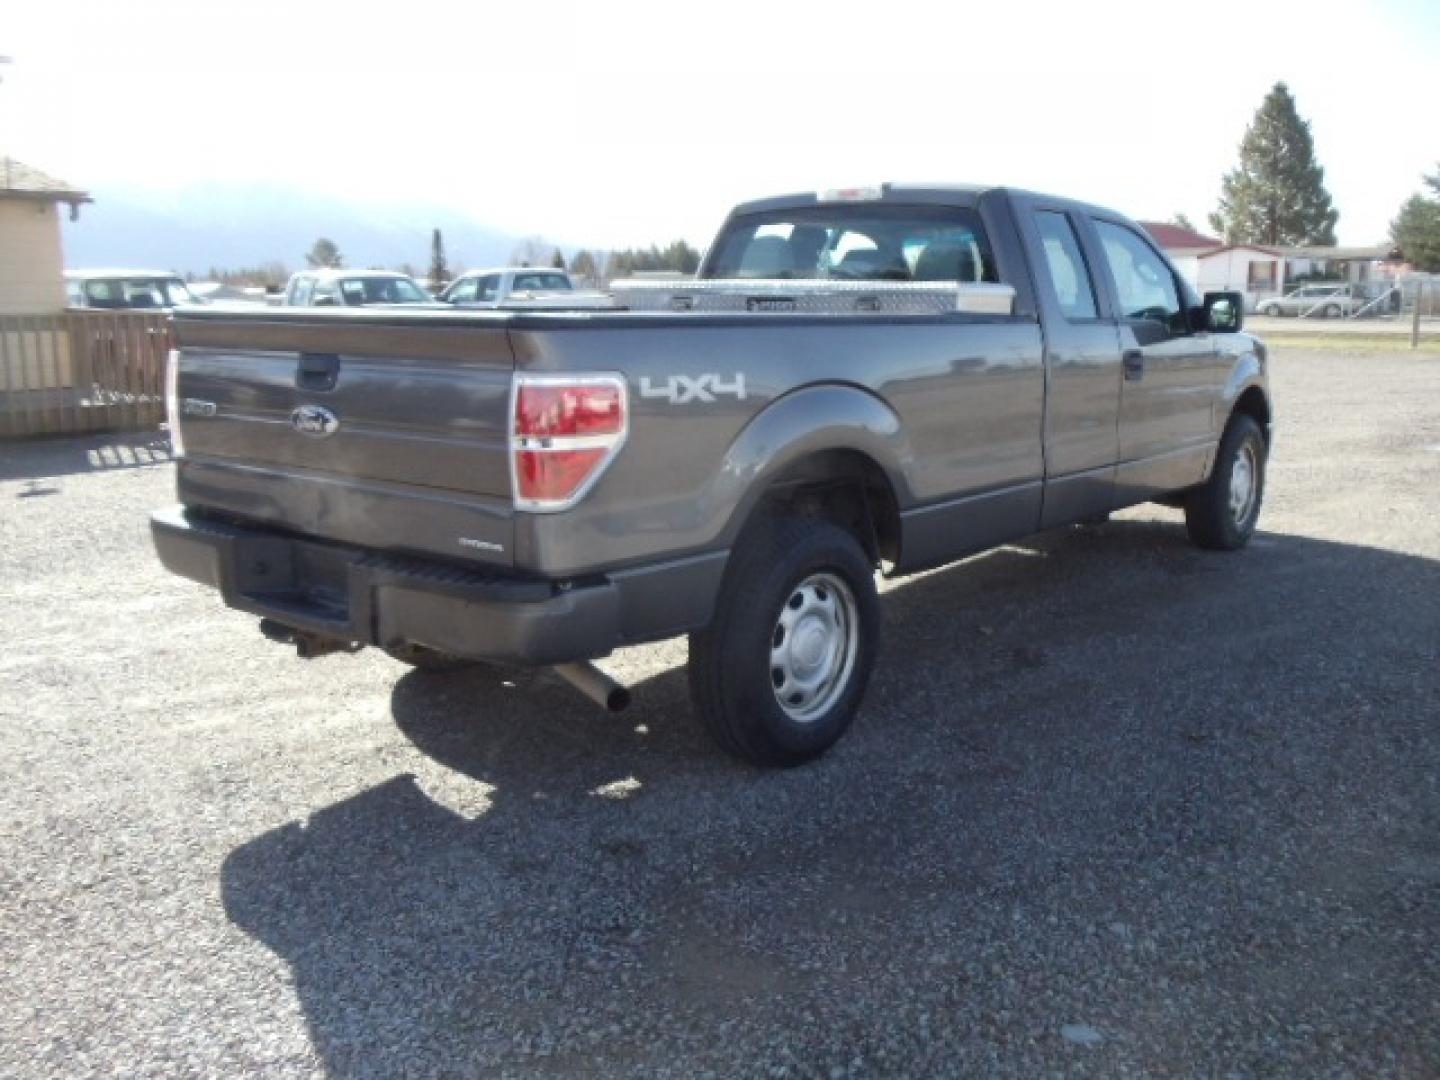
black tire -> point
(1332, 311)
(423, 659)
(1214, 514)
(1272, 310)
(733, 661)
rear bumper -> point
(356, 594)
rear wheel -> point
(1332, 311)
(778, 674)
(1272, 310)
(1221, 513)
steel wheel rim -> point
(813, 646)
(1244, 476)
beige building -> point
(32, 264)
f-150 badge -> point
(678, 389)
(314, 420)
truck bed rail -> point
(814, 297)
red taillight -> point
(547, 410)
(564, 431)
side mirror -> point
(1224, 312)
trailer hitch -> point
(308, 645)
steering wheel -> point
(1157, 314)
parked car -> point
(545, 487)
(513, 286)
(1324, 301)
(126, 289)
(353, 288)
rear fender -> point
(816, 419)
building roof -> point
(1372, 251)
(1177, 237)
(1274, 253)
(21, 181)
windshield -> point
(382, 290)
(856, 243)
(176, 292)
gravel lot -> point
(1114, 806)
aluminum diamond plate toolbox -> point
(814, 297)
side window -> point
(103, 294)
(1068, 273)
(1143, 283)
(301, 290)
(489, 287)
(74, 295)
(330, 291)
(463, 291)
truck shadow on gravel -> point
(1096, 779)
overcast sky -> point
(614, 123)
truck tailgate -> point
(349, 426)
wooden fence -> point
(81, 371)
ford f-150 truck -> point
(887, 378)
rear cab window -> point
(541, 282)
(856, 242)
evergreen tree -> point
(1416, 232)
(557, 261)
(325, 253)
(439, 268)
(678, 257)
(583, 266)
(1183, 221)
(1276, 195)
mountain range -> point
(232, 225)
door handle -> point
(1134, 361)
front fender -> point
(813, 420)
(1248, 368)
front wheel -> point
(1272, 310)
(1332, 311)
(778, 674)
(1221, 513)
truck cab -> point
(353, 288)
(112, 290)
(512, 286)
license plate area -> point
(308, 580)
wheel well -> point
(1253, 404)
(848, 488)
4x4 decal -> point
(678, 389)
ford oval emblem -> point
(314, 420)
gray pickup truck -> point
(889, 378)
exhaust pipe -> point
(594, 684)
